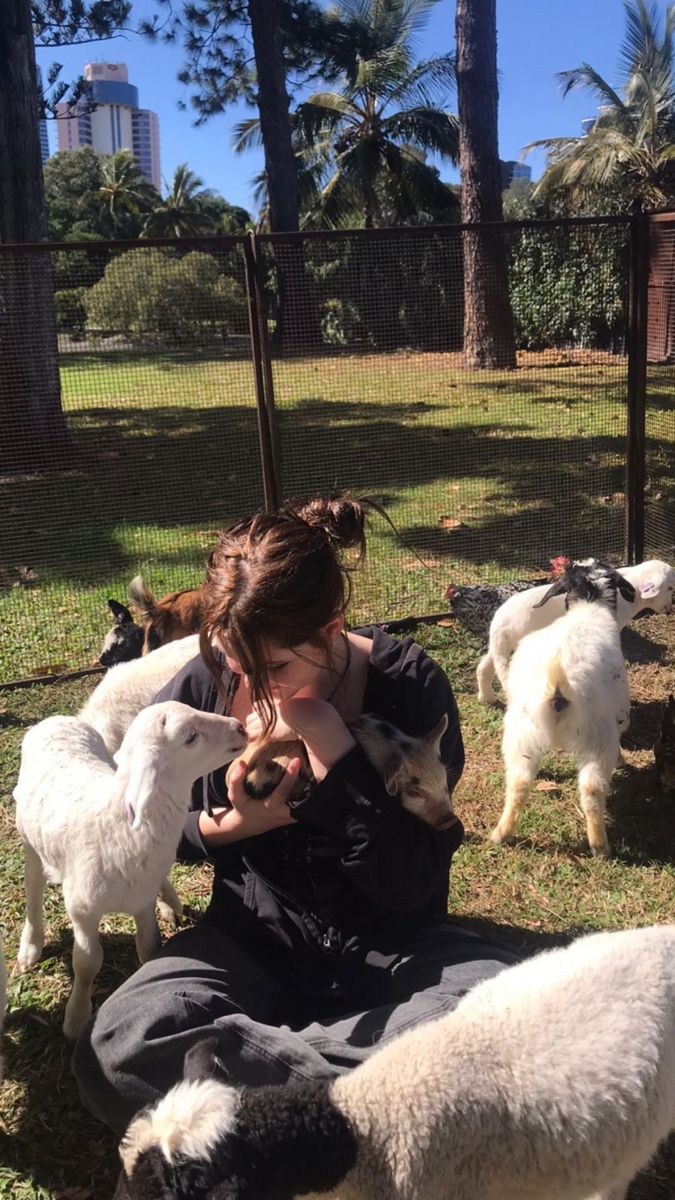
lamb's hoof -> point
(501, 839)
(27, 957)
(488, 697)
(601, 851)
(74, 1022)
(169, 914)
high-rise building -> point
(113, 121)
(511, 170)
(44, 136)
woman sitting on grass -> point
(327, 932)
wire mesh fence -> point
(154, 391)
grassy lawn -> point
(538, 893)
(485, 474)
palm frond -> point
(247, 135)
(427, 128)
(587, 77)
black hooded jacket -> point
(357, 875)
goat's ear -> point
(203, 1061)
(391, 770)
(649, 589)
(120, 612)
(556, 589)
(624, 587)
(137, 770)
(149, 1179)
(436, 736)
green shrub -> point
(154, 297)
(70, 310)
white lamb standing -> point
(567, 689)
(654, 584)
(554, 1080)
(129, 687)
(109, 836)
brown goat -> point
(173, 616)
(411, 767)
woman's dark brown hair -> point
(279, 576)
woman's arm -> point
(391, 855)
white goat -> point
(554, 1080)
(654, 584)
(109, 837)
(130, 686)
(567, 689)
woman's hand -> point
(249, 817)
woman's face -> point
(290, 671)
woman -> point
(327, 932)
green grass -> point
(536, 893)
(522, 465)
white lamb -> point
(567, 689)
(109, 837)
(554, 1080)
(654, 584)
(131, 686)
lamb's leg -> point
(521, 763)
(594, 780)
(169, 903)
(148, 938)
(87, 960)
(33, 934)
(485, 673)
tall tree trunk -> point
(30, 393)
(299, 322)
(488, 321)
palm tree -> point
(631, 145)
(182, 212)
(361, 150)
(124, 194)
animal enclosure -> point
(183, 383)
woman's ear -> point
(334, 627)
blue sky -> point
(536, 38)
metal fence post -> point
(262, 371)
(638, 281)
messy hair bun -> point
(340, 517)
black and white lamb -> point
(567, 690)
(555, 1079)
(109, 836)
(654, 584)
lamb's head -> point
(168, 746)
(205, 1139)
(124, 641)
(590, 580)
(411, 767)
(655, 581)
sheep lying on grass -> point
(567, 689)
(109, 837)
(131, 686)
(411, 767)
(553, 1080)
(654, 584)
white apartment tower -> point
(115, 123)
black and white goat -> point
(553, 1079)
(567, 690)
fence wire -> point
(142, 411)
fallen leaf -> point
(446, 624)
(451, 523)
(50, 669)
(546, 785)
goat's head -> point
(167, 747)
(590, 580)
(656, 586)
(124, 641)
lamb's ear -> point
(391, 770)
(150, 1179)
(120, 612)
(137, 771)
(649, 589)
(556, 589)
(203, 1061)
(436, 735)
